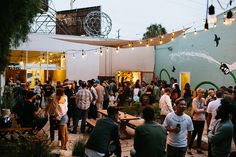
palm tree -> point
(154, 30)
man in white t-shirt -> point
(211, 114)
(179, 125)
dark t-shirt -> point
(28, 114)
(105, 131)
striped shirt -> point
(83, 99)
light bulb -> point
(83, 55)
(73, 56)
(213, 19)
(117, 50)
(21, 62)
(195, 31)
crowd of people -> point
(64, 104)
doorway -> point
(183, 79)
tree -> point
(16, 17)
(154, 30)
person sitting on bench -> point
(29, 118)
(104, 140)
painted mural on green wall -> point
(208, 56)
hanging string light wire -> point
(206, 21)
(229, 4)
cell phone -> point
(178, 126)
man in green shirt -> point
(150, 138)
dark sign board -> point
(70, 22)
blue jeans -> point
(79, 114)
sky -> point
(132, 17)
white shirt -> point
(165, 104)
(112, 100)
(63, 107)
(178, 139)
(212, 107)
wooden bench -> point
(91, 124)
(15, 129)
(134, 123)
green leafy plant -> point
(22, 145)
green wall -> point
(199, 55)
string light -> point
(229, 18)
(64, 56)
(184, 34)
(21, 60)
(43, 59)
(160, 41)
(132, 46)
(83, 54)
(101, 51)
(213, 18)
(147, 44)
(117, 50)
(73, 56)
(195, 31)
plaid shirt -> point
(83, 99)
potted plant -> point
(8, 100)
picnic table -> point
(124, 119)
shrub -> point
(24, 145)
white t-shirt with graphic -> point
(178, 139)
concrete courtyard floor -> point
(126, 144)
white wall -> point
(79, 68)
(139, 59)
